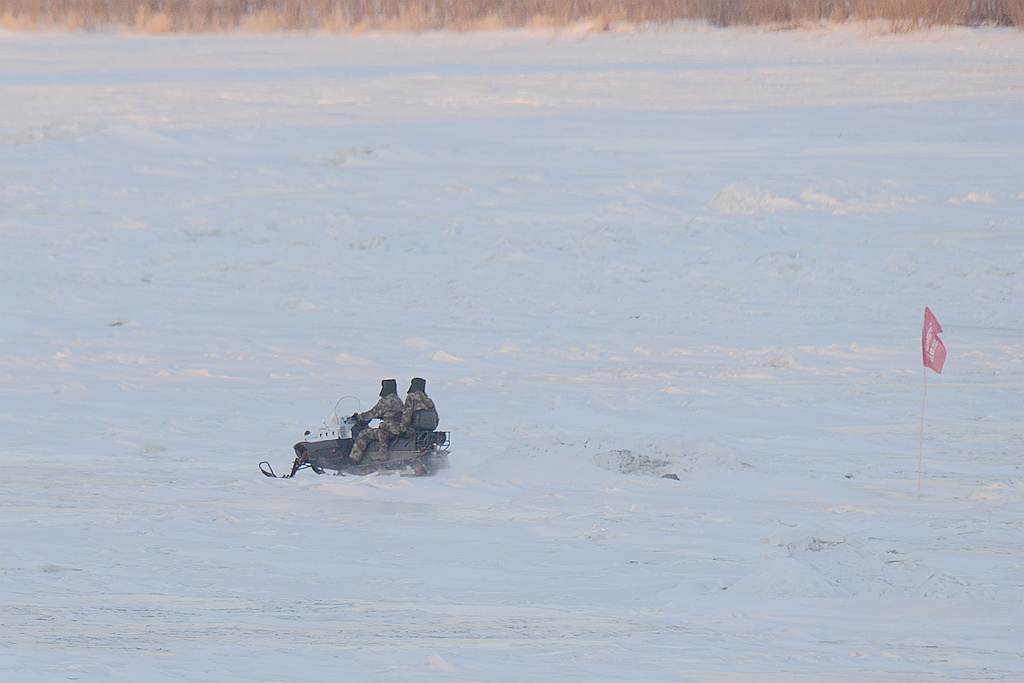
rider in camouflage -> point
(416, 401)
(389, 411)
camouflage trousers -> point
(383, 434)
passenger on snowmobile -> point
(389, 411)
(419, 413)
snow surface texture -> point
(614, 257)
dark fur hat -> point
(418, 384)
(388, 386)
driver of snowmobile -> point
(389, 411)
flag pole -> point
(920, 439)
(933, 354)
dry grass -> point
(162, 16)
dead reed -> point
(160, 16)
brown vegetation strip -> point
(159, 16)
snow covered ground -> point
(613, 256)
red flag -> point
(931, 346)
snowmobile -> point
(420, 454)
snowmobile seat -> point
(424, 420)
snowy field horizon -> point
(614, 257)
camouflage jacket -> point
(388, 409)
(416, 400)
